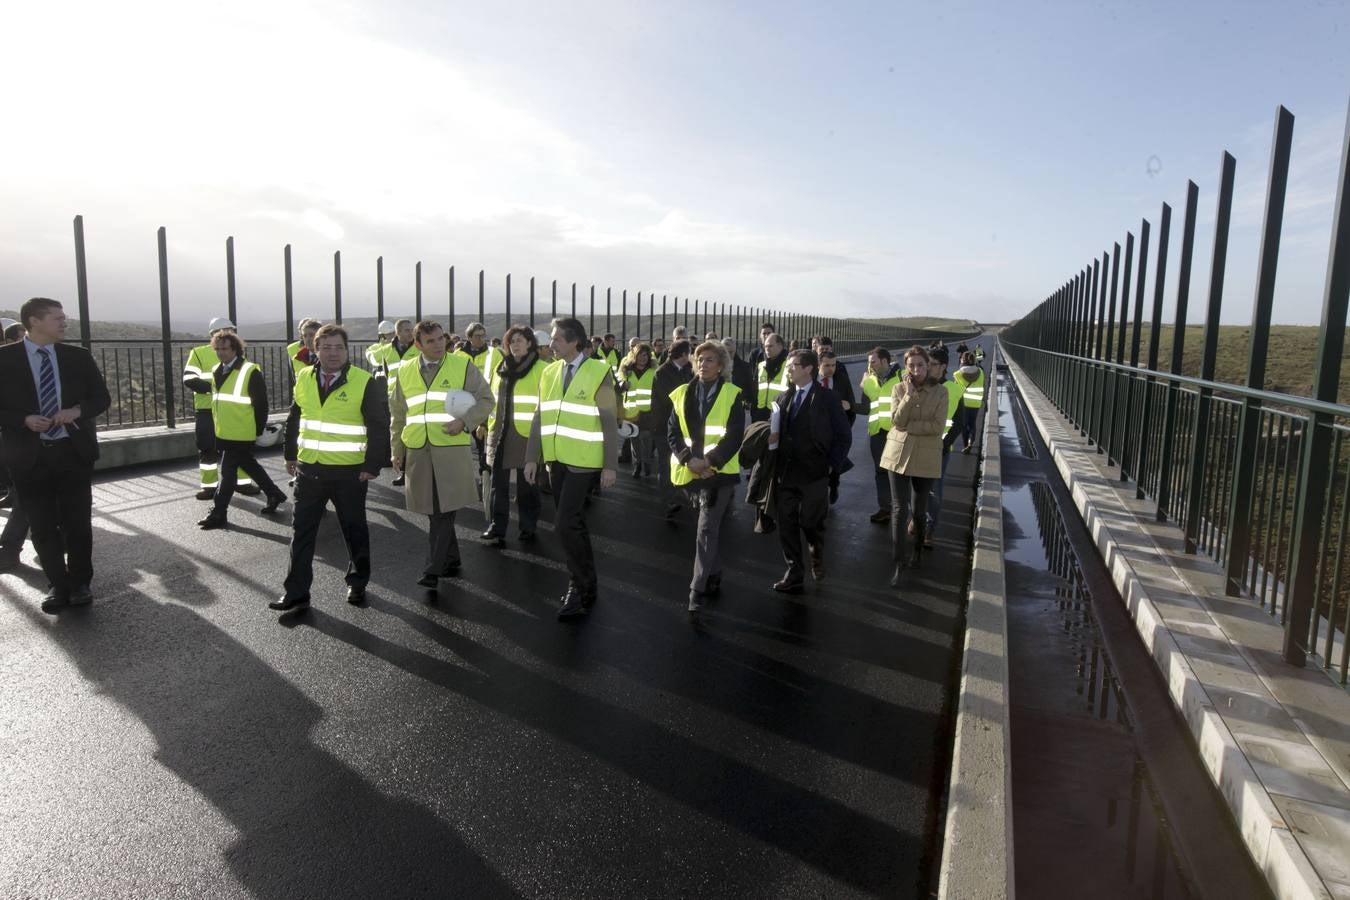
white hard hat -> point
(386, 326)
(457, 403)
(7, 324)
(218, 323)
(541, 337)
(271, 435)
(628, 429)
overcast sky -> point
(857, 159)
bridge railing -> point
(1258, 480)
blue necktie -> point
(47, 402)
(796, 405)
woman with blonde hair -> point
(913, 455)
(637, 377)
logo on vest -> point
(342, 396)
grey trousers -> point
(442, 542)
(708, 536)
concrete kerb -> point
(1277, 853)
(977, 857)
(154, 444)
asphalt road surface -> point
(179, 739)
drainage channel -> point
(1109, 798)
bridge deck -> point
(179, 739)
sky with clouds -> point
(866, 159)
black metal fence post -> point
(82, 284)
(451, 326)
(337, 286)
(481, 301)
(417, 291)
(290, 293)
(231, 300)
(1116, 376)
(166, 332)
(1154, 335)
(531, 303)
(379, 291)
(590, 328)
(508, 304)
(1135, 338)
(1204, 402)
(1240, 503)
(1301, 596)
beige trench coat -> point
(452, 468)
(918, 420)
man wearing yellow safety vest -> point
(515, 388)
(239, 413)
(877, 383)
(485, 358)
(301, 352)
(337, 439)
(375, 353)
(771, 377)
(430, 443)
(201, 362)
(575, 434)
(637, 379)
(971, 378)
(388, 357)
(610, 354)
(704, 435)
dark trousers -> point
(901, 505)
(569, 521)
(967, 415)
(16, 529)
(801, 514)
(58, 497)
(442, 542)
(233, 460)
(877, 443)
(527, 500)
(311, 501)
(935, 495)
(713, 508)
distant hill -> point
(112, 331)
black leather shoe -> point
(356, 594)
(249, 490)
(212, 522)
(527, 537)
(80, 595)
(881, 515)
(273, 502)
(206, 494)
(573, 605)
(429, 581)
(788, 587)
(493, 539)
(400, 481)
(9, 560)
(55, 601)
(288, 603)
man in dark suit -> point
(742, 374)
(675, 371)
(53, 393)
(832, 376)
(812, 438)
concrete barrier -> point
(977, 850)
(139, 446)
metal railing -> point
(145, 375)
(1258, 480)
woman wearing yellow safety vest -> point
(431, 446)
(515, 385)
(971, 379)
(239, 411)
(637, 379)
(704, 436)
(575, 433)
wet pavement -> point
(178, 739)
(1109, 797)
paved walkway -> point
(178, 740)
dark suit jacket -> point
(82, 385)
(816, 441)
(843, 388)
(668, 377)
(743, 376)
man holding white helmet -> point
(201, 362)
(375, 353)
(430, 425)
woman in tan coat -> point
(913, 455)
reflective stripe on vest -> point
(638, 397)
(714, 429)
(878, 401)
(426, 403)
(232, 407)
(524, 398)
(770, 389)
(394, 363)
(296, 365)
(486, 362)
(569, 425)
(954, 392)
(332, 433)
(201, 362)
(972, 391)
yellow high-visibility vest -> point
(878, 396)
(638, 397)
(954, 393)
(232, 407)
(770, 388)
(426, 403)
(486, 362)
(332, 433)
(524, 398)
(714, 429)
(201, 362)
(972, 392)
(569, 422)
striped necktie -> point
(48, 405)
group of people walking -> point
(458, 420)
